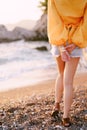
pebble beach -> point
(30, 107)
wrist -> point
(62, 48)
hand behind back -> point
(70, 48)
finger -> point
(65, 56)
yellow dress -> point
(67, 21)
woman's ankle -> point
(65, 116)
(57, 105)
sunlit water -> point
(23, 65)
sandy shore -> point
(44, 87)
(30, 107)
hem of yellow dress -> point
(80, 44)
(63, 42)
(58, 43)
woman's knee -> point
(67, 81)
(68, 84)
(60, 75)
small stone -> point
(32, 113)
(0, 123)
(58, 126)
(86, 116)
(81, 128)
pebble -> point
(35, 114)
(86, 116)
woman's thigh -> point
(70, 69)
(60, 65)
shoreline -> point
(41, 88)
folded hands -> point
(65, 52)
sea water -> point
(21, 64)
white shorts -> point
(77, 52)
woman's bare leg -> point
(69, 72)
(59, 80)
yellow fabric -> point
(67, 21)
